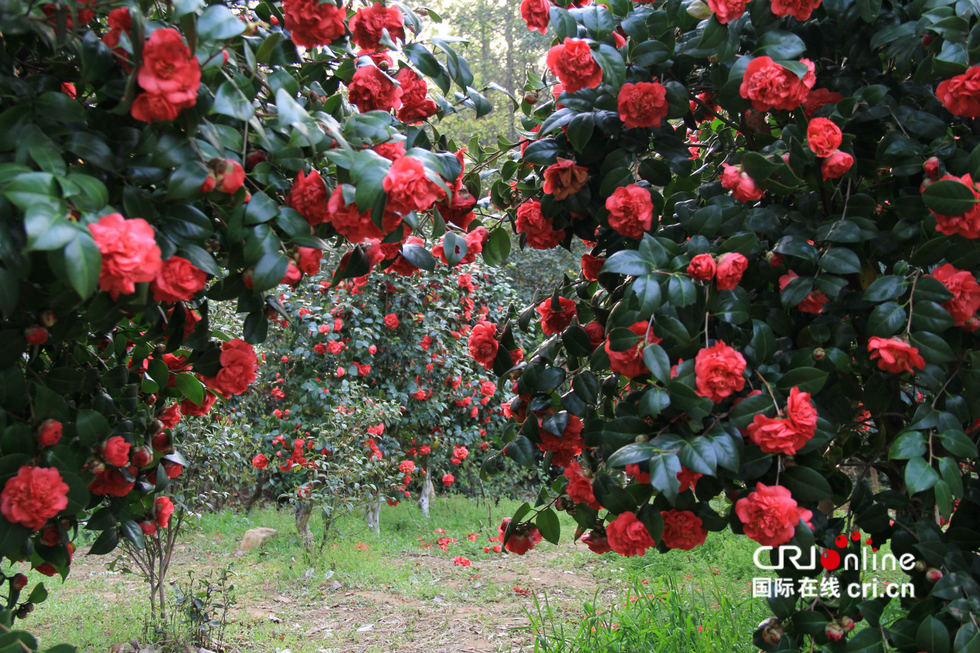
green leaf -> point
(218, 23)
(580, 130)
(184, 7)
(933, 348)
(780, 45)
(884, 288)
(681, 291)
(663, 474)
(627, 261)
(840, 260)
(806, 484)
(909, 444)
(132, 532)
(919, 475)
(520, 450)
(38, 595)
(186, 180)
(949, 197)
(269, 271)
(454, 247)
(653, 402)
(46, 225)
(106, 542)
(91, 426)
(261, 208)
(807, 379)
(631, 454)
(547, 523)
(230, 101)
(83, 262)
(958, 444)
(698, 455)
(190, 387)
(419, 256)
(657, 361)
(932, 636)
(886, 320)
(612, 64)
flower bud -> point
(36, 335)
(19, 581)
(47, 318)
(847, 623)
(771, 630)
(531, 97)
(834, 631)
(933, 575)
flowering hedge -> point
(397, 337)
(154, 157)
(774, 328)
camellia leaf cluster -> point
(774, 329)
(157, 157)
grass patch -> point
(398, 590)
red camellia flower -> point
(554, 321)
(367, 24)
(49, 433)
(111, 482)
(309, 259)
(630, 363)
(152, 108)
(356, 226)
(591, 266)
(630, 210)
(819, 97)
(238, 368)
(416, 105)
(372, 90)
(775, 435)
(36, 335)
(687, 478)
(801, 411)
(596, 333)
(564, 178)
(682, 529)
(743, 187)
(129, 253)
(259, 461)
(967, 224)
(798, 9)
(572, 63)
(163, 507)
(731, 266)
(579, 488)
(812, 303)
(178, 280)
(895, 356)
(538, 229)
(391, 321)
(702, 267)
(536, 13)
(726, 11)
(563, 446)
(823, 136)
(628, 536)
(769, 515)
(115, 451)
(835, 165)
(482, 343)
(965, 289)
(312, 23)
(33, 496)
(718, 372)
(770, 86)
(643, 104)
(309, 197)
(448, 479)
(408, 187)
(961, 94)
(170, 72)
(188, 407)
(596, 541)
(229, 175)
(522, 540)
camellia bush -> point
(385, 355)
(774, 329)
(154, 157)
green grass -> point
(287, 598)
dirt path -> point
(477, 608)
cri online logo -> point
(832, 559)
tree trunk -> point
(303, 512)
(427, 494)
(257, 492)
(372, 513)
